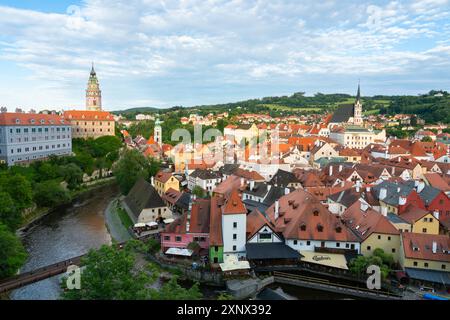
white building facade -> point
(28, 137)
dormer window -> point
(42, 121)
(17, 121)
(316, 212)
(33, 121)
(303, 227)
(319, 227)
(338, 229)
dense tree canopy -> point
(129, 168)
(50, 194)
(113, 274)
(12, 252)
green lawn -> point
(124, 217)
(371, 112)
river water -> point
(63, 234)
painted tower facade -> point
(93, 93)
(357, 109)
(158, 132)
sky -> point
(161, 53)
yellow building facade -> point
(390, 243)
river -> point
(65, 233)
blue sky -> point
(161, 53)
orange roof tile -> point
(234, 204)
(88, 115)
(31, 119)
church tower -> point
(158, 132)
(93, 93)
(357, 108)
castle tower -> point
(357, 109)
(158, 132)
(93, 93)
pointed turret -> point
(93, 92)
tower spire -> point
(358, 94)
(92, 69)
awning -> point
(334, 260)
(435, 276)
(139, 225)
(232, 263)
(179, 252)
(169, 221)
(264, 251)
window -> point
(265, 236)
(379, 237)
(308, 243)
(393, 250)
(443, 267)
(234, 248)
(166, 238)
(425, 264)
(178, 239)
(424, 230)
(389, 238)
(234, 236)
(368, 248)
(234, 225)
(415, 263)
(295, 242)
(216, 249)
(338, 244)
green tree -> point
(50, 194)
(154, 167)
(427, 139)
(173, 291)
(72, 174)
(109, 274)
(12, 253)
(199, 192)
(129, 168)
(18, 187)
(9, 215)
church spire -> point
(358, 94)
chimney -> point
(384, 211)
(252, 185)
(420, 186)
(287, 191)
(277, 209)
(331, 170)
(401, 201)
(436, 214)
(242, 182)
(383, 193)
(153, 181)
(269, 186)
(342, 183)
(416, 183)
(434, 247)
(358, 186)
(340, 167)
(364, 206)
(368, 188)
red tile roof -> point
(424, 245)
(255, 221)
(364, 223)
(31, 119)
(163, 176)
(234, 204)
(302, 216)
(88, 115)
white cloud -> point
(230, 41)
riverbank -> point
(114, 224)
(79, 195)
